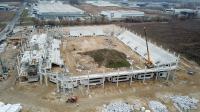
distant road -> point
(8, 29)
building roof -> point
(181, 10)
(112, 14)
(123, 12)
(57, 8)
(102, 3)
(4, 5)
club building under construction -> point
(41, 51)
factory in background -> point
(121, 14)
(56, 10)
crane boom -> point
(149, 62)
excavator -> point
(148, 62)
(3, 70)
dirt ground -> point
(96, 10)
(80, 64)
(40, 98)
(180, 36)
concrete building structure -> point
(57, 10)
(164, 62)
(121, 14)
(44, 50)
(37, 56)
(159, 56)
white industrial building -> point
(121, 14)
(54, 10)
(180, 11)
(4, 7)
(102, 3)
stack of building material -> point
(137, 104)
(118, 107)
(184, 103)
(156, 106)
(10, 107)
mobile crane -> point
(148, 62)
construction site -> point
(118, 66)
(81, 61)
(75, 58)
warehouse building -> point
(181, 11)
(4, 7)
(57, 10)
(102, 3)
(121, 14)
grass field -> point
(25, 19)
(180, 36)
(109, 58)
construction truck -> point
(72, 99)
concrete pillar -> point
(131, 79)
(57, 84)
(19, 73)
(63, 87)
(144, 78)
(88, 87)
(156, 73)
(118, 78)
(72, 86)
(173, 76)
(46, 78)
(41, 77)
(169, 72)
(103, 79)
(131, 76)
